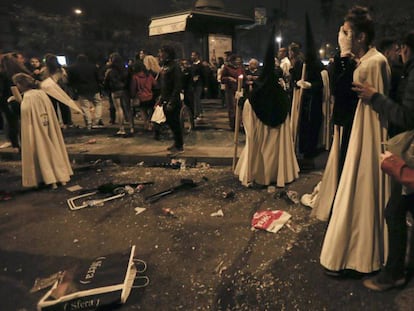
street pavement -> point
(196, 261)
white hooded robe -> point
(44, 156)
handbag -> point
(402, 145)
(106, 283)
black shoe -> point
(334, 273)
(382, 282)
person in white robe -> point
(343, 114)
(268, 156)
(44, 156)
(355, 237)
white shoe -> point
(6, 145)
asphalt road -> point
(195, 261)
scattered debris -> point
(5, 196)
(91, 141)
(293, 196)
(139, 210)
(74, 188)
(203, 165)
(293, 228)
(42, 283)
(185, 184)
(219, 213)
(271, 189)
(290, 196)
(168, 212)
(228, 194)
(271, 221)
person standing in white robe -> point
(44, 156)
(269, 155)
(355, 238)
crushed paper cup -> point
(271, 221)
(219, 213)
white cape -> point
(44, 156)
(268, 155)
(355, 238)
(54, 90)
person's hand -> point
(282, 83)
(385, 155)
(345, 42)
(238, 95)
(304, 84)
(11, 99)
(365, 91)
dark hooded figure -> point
(268, 156)
(311, 108)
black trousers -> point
(395, 215)
(173, 121)
(11, 112)
(64, 110)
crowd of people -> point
(286, 115)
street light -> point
(279, 41)
(77, 11)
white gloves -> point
(304, 84)
(345, 42)
(238, 95)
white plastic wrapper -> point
(271, 221)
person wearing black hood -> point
(268, 156)
(170, 82)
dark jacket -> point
(116, 80)
(346, 100)
(198, 74)
(170, 82)
(83, 78)
(399, 114)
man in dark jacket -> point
(170, 80)
(198, 81)
(83, 77)
(401, 115)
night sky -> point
(296, 10)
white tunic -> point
(355, 237)
(44, 156)
(268, 155)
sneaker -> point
(381, 282)
(6, 145)
(120, 132)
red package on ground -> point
(271, 221)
